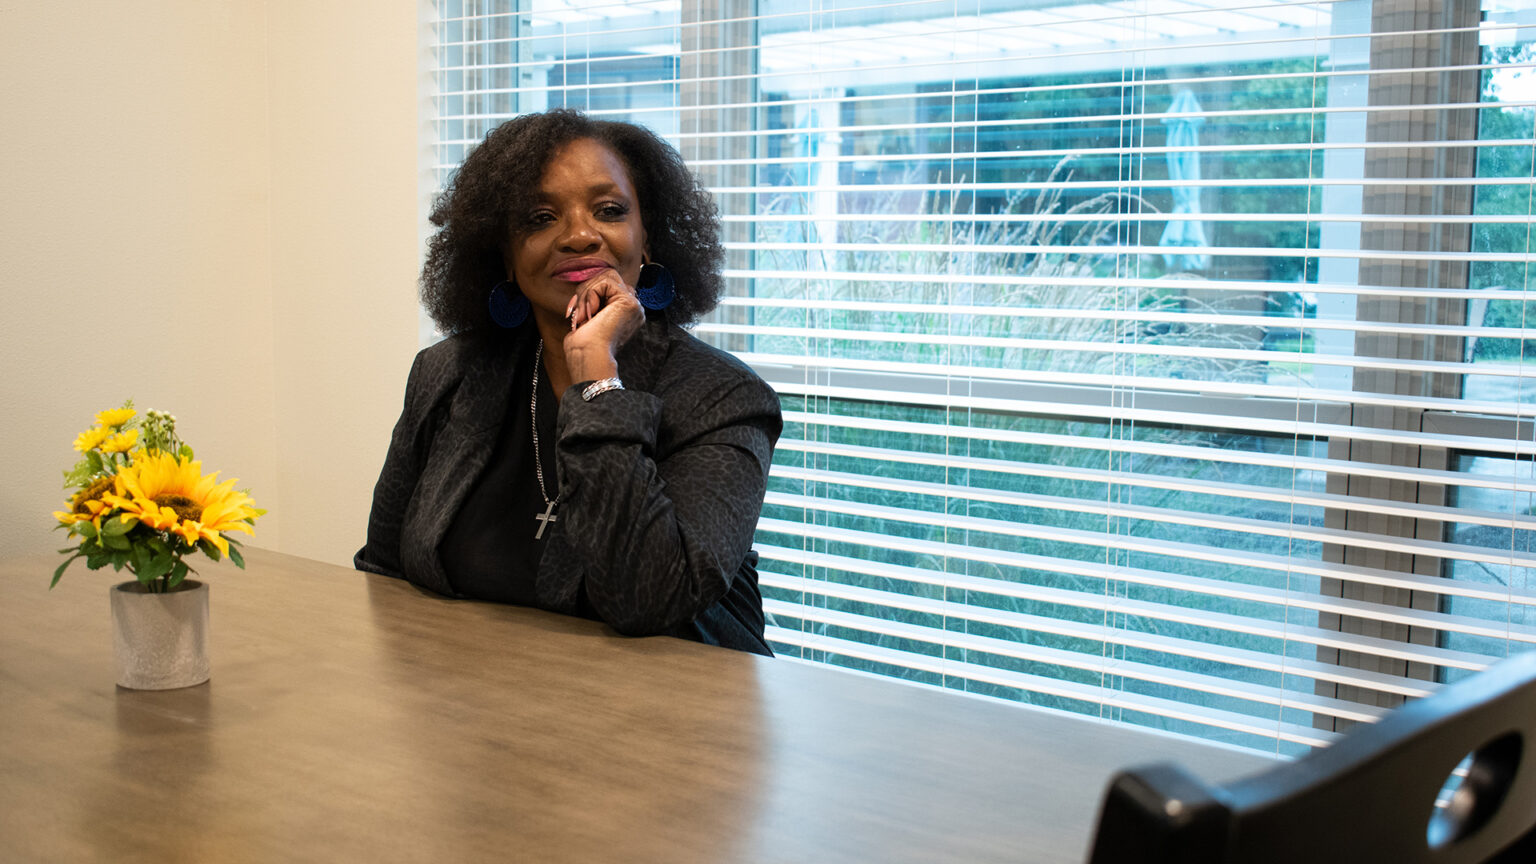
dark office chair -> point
(1368, 797)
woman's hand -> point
(604, 314)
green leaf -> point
(116, 527)
(162, 563)
(96, 560)
(96, 463)
(235, 556)
(119, 558)
(185, 452)
(178, 573)
(86, 529)
(78, 476)
(153, 565)
(209, 549)
(60, 572)
(115, 541)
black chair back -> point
(1370, 796)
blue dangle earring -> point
(654, 287)
(509, 308)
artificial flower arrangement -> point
(141, 502)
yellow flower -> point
(87, 504)
(115, 416)
(92, 438)
(89, 511)
(171, 494)
(122, 442)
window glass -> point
(1163, 361)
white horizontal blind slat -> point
(1357, 290)
(1189, 584)
(1213, 650)
(1116, 636)
(1152, 350)
(1148, 316)
(1108, 700)
(1289, 429)
(1097, 475)
(1155, 515)
(1104, 666)
(1236, 457)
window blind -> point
(1161, 360)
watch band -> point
(592, 390)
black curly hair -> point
(500, 178)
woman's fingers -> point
(593, 295)
(604, 313)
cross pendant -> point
(545, 518)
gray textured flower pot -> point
(160, 640)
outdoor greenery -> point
(1019, 286)
(1018, 283)
(1504, 124)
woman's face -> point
(585, 220)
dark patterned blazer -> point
(661, 483)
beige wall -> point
(210, 207)
(344, 255)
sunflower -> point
(171, 494)
(122, 442)
(115, 416)
(87, 504)
(92, 438)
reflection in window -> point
(1506, 592)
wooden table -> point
(354, 718)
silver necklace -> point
(548, 515)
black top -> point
(491, 550)
(661, 485)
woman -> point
(569, 446)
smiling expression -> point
(585, 221)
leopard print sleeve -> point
(662, 500)
(431, 382)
